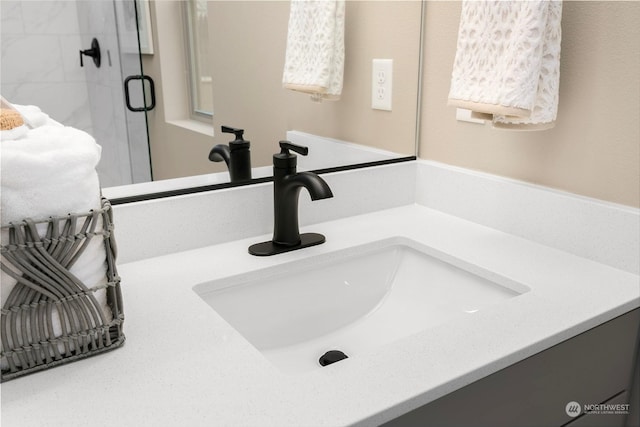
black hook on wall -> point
(94, 53)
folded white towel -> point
(50, 171)
(507, 62)
(314, 61)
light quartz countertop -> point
(182, 364)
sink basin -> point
(352, 300)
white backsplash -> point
(594, 229)
(589, 228)
(163, 226)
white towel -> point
(314, 61)
(507, 62)
(15, 133)
(34, 116)
(50, 171)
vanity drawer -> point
(589, 368)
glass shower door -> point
(122, 131)
(134, 35)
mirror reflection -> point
(207, 65)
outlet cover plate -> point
(382, 84)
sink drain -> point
(331, 356)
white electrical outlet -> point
(381, 84)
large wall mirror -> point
(219, 57)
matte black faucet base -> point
(271, 248)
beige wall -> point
(594, 150)
(249, 41)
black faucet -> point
(236, 155)
(287, 184)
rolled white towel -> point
(50, 171)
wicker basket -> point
(46, 289)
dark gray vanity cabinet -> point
(594, 367)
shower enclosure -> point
(49, 59)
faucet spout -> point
(220, 153)
(236, 155)
(317, 187)
(287, 188)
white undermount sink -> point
(353, 300)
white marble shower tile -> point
(111, 134)
(101, 107)
(50, 17)
(11, 17)
(119, 107)
(113, 168)
(114, 72)
(32, 58)
(9, 92)
(67, 103)
(96, 17)
(70, 46)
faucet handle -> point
(237, 132)
(286, 160)
(239, 143)
(285, 146)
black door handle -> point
(152, 93)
